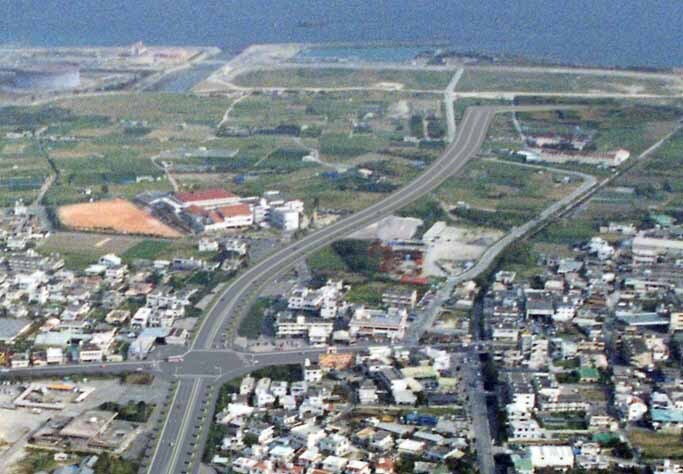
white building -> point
(54, 355)
(90, 353)
(390, 324)
(315, 329)
(141, 318)
(284, 218)
(556, 457)
(324, 301)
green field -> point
(344, 78)
(634, 126)
(500, 194)
(153, 108)
(480, 79)
(147, 249)
(653, 445)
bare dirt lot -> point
(116, 215)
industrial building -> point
(51, 76)
(11, 328)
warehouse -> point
(48, 77)
(11, 328)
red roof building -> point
(208, 198)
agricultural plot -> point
(611, 125)
(103, 146)
(498, 194)
(155, 109)
(650, 186)
(22, 170)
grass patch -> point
(252, 325)
(36, 461)
(522, 81)
(654, 445)
(135, 412)
(357, 256)
(340, 77)
(138, 379)
(148, 249)
(326, 262)
(427, 209)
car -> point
(139, 369)
(102, 366)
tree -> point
(109, 464)
(250, 439)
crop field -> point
(633, 126)
(346, 78)
(116, 215)
(481, 80)
(22, 170)
(152, 108)
(651, 186)
(329, 110)
(501, 195)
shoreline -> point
(487, 56)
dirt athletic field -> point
(116, 215)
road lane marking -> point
(163, 430)
(188, 413)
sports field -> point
(116, 215)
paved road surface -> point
(449, 103)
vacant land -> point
(116, 215)
(343, 78)
(80, 249)
(480, 80)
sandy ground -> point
(390, 228)
(396, 86)
(117, 215)
(451, 246)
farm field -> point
(152, 108)
(633, 126)
(116, 215)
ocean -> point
(605, 32)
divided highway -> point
(184, 432)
